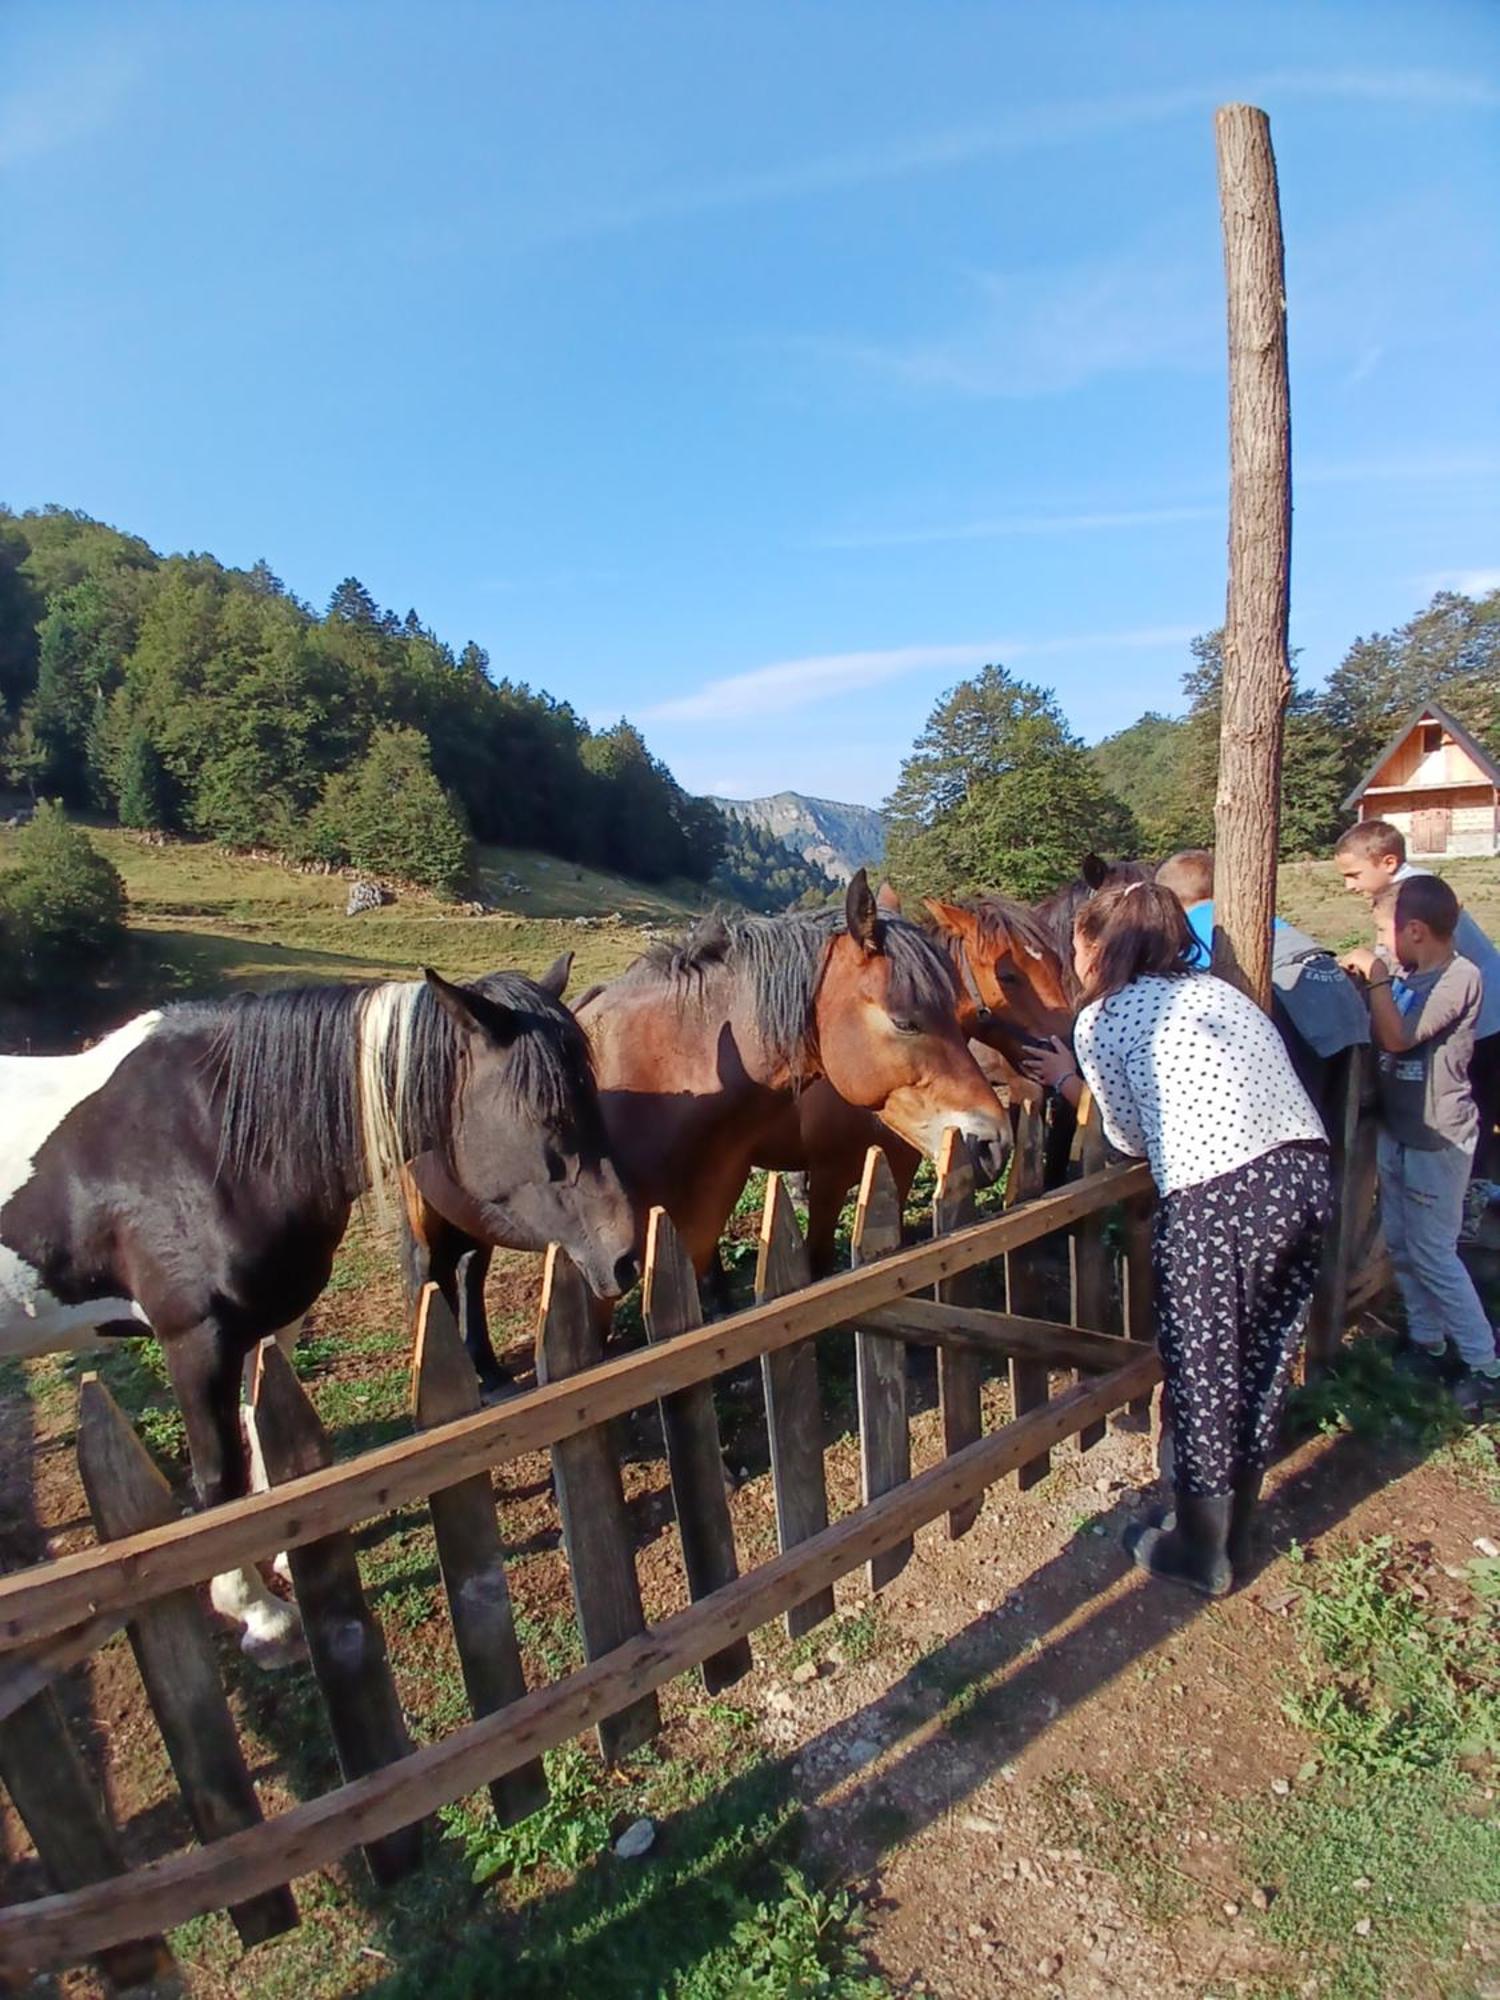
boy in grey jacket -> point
(1423, 1028)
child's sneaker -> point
(1421, 1363)
(1479, 1198)
(1477, 1392)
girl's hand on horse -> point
(1051, 1065)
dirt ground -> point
(962, 1747)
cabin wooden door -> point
(1429, 830)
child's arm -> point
(1390, 1027)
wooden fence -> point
(144, 1570)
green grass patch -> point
(1393, 1685)
(1381, 1857)
(1365, 1394)
(716, 1911)
(1407, 1858)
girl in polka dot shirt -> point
(1191, 1074)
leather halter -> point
(983, 1010)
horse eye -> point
(906, 1024)
(1007, 975)
(556, 1169)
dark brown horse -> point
(701, 1046)
(1012, 990)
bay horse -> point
(193, 1174)
(1012, 992)
(701, 1045)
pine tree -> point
(145, 794)
(389, 815)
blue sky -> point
(756, 371)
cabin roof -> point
(1430, 711)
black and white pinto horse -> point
(193, 1174)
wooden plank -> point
(75, 1843)
(1088, 1255)
(695, 1456)
(1140, 1322)
(56, 1930)
(344, 1639)
(880, 1363)
(53, 1596)
(960, 1369)
(591, 1503)
(175, 1652)
(1029, 1382)
(471, 1555)
(1353, 1187)
(794, 1402)
(29, 1673)
(1005, 1335)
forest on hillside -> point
(177, 694)
(1000, 792)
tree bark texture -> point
(1257, 674)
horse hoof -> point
(276, 1647)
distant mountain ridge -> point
(835, 837)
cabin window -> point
(1432, 737)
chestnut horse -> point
(700, 1047)
(1012, 990)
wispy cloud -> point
(1153, 304)
(46, 113)
(1416, 468)
(1468, 582)
(1367, 361)
(1065, 122)
(789, 684)
(1003, 527)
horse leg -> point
(826, 1190)
(473, 1269)
(206, 1367)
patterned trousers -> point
(1234, 1262)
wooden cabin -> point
(1434, 782)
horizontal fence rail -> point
(50, 1597)
(142, 1573)
(56, 1930)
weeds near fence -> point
(1378, 1858)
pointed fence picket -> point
(891, 1298)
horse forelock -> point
(999, 919)
(548, 1072)
(777, 964)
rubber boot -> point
(1194, 1551)
(1241, 1548)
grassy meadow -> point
(206, 921)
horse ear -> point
(950, 917)
(555, 979)
(1094, 871)
(471, 1011)
(861, 914)
(888, 898)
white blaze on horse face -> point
(38, 1093)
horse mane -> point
(343, 1084)
(777, 962)
(995, 914)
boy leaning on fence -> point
(1423, 1027)
(1371, 858)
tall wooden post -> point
(1257, 671)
